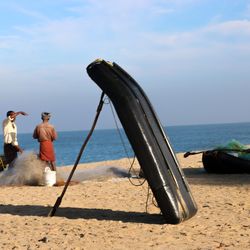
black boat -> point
(219, 161)
(147, 138)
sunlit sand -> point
(106, 211)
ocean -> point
(111, 144)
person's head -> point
(45, 116)
(10, 113)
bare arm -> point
(35, 135)
(18, 148)
(54, 134)
(15, 114)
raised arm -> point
(15, 114)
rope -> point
(119, 132)
(125, 149)
(131, 163)
(138, 178)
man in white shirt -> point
(11, 146)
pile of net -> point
(236, 148)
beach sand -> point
(106, 211)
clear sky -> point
(191, 57)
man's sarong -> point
(10, 153)
(47, 151)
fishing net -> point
(237, 149)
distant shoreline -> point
(167, 126)
(107, 144)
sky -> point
(191, 57)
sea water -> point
(112, 144)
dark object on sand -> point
(218, 161)
(3, 163)
(148, 140)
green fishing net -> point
(235, 147)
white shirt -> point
(10, 131)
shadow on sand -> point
(199, 176)
(84, 213)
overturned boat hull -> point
(148, 140)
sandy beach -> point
(108, 211)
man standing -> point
(45, 133)
(11, 146)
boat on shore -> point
(233, 158)
(218, 161)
